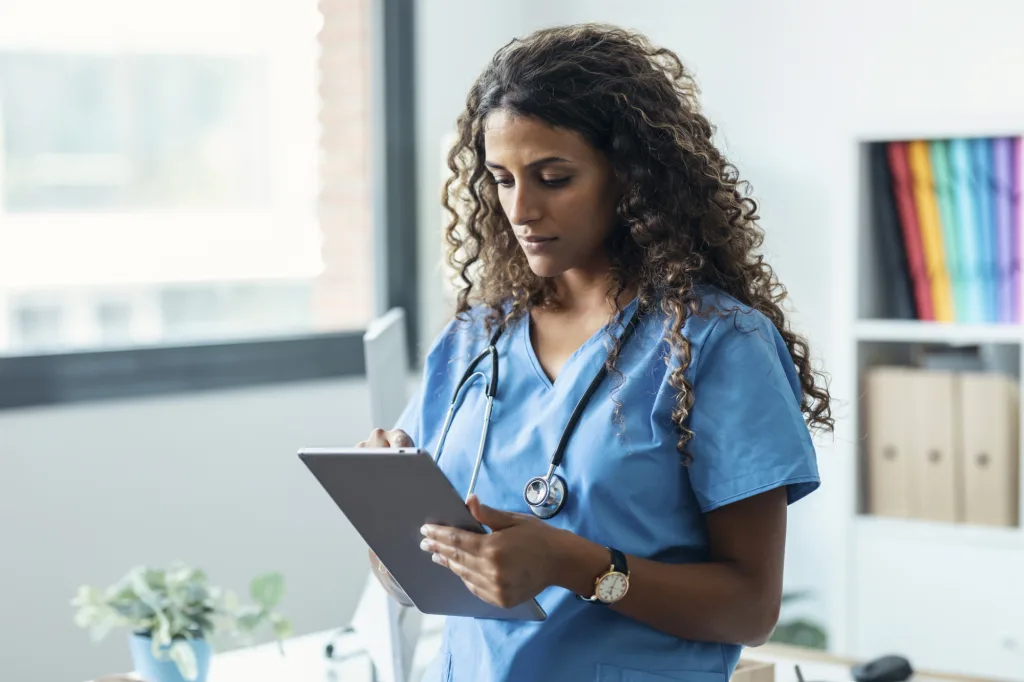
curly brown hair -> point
(682, 220)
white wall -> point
(212, 479)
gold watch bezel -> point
(597, 583)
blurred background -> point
(204, 203)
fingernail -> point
(425, 530)
(438, 559)
(425, 545)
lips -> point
(536, 239)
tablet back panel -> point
(388, 495)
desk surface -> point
(304, 660)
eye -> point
(555, 182)
(501, 182)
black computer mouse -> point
(890, 668)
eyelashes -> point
(552, 183)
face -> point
(557, 192)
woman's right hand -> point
(379, 438)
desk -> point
(304, 661)
(818, 666)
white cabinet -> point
(949, 599)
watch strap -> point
(619, 561)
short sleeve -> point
(411, 418)
(749, 435)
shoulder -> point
(720, 320)
(741, 345)
(461, 334)
(723, 335)
(726, 323)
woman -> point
(595, 207)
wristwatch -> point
(612, 585)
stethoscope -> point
(545, 494)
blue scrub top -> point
(627, 487)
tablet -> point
(388, 494)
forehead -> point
(514, 139)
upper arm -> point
(751, 454)
(751, 535)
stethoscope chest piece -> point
(545, 495)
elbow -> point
(760, 621)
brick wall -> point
(343, 295)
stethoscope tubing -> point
(545, 483)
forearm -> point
(712, 602)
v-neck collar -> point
(531, 353)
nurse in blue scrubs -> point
(600, 227)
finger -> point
(448, 555)
(399, 439)
(376, 439)
(490, 517)
(454, 537)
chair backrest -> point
(387, 367)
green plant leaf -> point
(795, 596)
(801, 633)
(176, 604)
(249, 618)
(267, 590)
(184, 657)
(282, 626)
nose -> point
(522, 207)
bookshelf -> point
(913, 331)
(949, 594)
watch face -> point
(612, 587)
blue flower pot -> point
(163, 669)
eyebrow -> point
(533, 164)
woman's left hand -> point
(506, 567)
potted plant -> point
(799, 631)
(173, 614)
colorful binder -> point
(1002, 174)
(982, 176)
(931, 231)
(894, 273)
(1015, 228)
(958, 213)
(942, 180)
(902, 188)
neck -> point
(585, 291)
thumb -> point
(490, 517)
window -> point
(200, 173)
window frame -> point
(85, 376)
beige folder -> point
(933, 445)
(887, 394)
(990, 425)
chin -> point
(546, 267)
